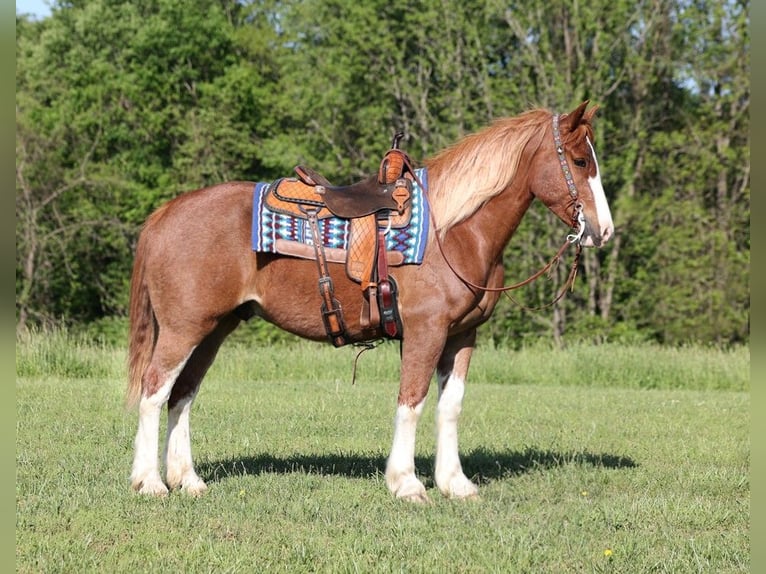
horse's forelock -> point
(584, 129)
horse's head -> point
(567, 178)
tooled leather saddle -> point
(373, 206)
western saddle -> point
(374, 206)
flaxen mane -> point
(481, 165)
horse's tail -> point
(142, 329)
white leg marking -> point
(400, 469)
(145, 477)
(449, 476)
(178, 456)
(602, 207)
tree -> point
(686, 198)
(119, 106)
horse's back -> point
(226, 203)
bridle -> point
(578, 224)
(578, 217)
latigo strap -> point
(332, 313)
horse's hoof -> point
(409, 488)
(416, 498)
(413, 491)
(473, 496)
(463, 494)
(188, 482)
(197, 488)
(459, 488)
(151, 488)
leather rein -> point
(578, 222)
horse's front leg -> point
(420, 353)
(451, 375)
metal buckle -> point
(580, 219)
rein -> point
(578, 219)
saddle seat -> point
(366, 197)
(294, 196)
(373, 206)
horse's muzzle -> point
(596, 237)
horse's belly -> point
(287, 294)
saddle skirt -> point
(279, 228)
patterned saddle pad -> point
(271, 229)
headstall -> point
(578, 219)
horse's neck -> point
(487, 232)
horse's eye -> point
(580, 162)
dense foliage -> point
(122, 104)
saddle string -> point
(365, 346)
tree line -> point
(123, 104)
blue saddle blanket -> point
(269, 226)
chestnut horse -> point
(195, 277)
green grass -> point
(645, 366)
(604, 459)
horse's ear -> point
(575, 117)
(591, 112)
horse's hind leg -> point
(168, 360)
(451, 375)
(179, 466)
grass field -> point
(590, 459)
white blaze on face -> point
(606, 226)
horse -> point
(196, 277)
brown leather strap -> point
(370, 312)
(310, 176)
(568, 284)
(388, 311)
(332, 313)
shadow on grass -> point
(481, 465)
